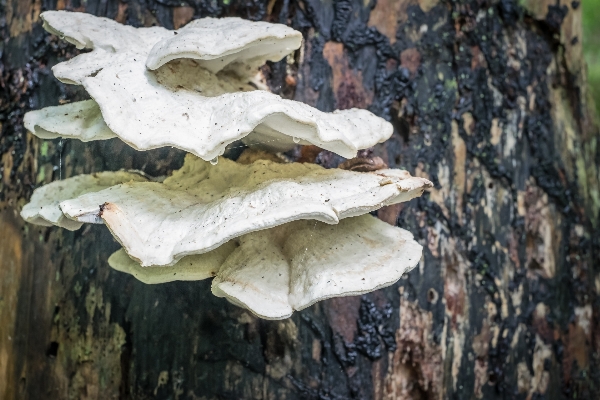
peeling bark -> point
(488, 100)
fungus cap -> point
(220, 43)
(185, 105)
(43, 208)
(82, 120)
(202, 206)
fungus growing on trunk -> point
(80, 120)
(277, 271)
(193, 90)
(202, 206)
(43, 208)
(276, 236)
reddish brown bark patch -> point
(121, 13)
(578, 342)
(387, 15)
(342, 313)
(10, 280)
(478, 59)
(540, 323)
(347, 84)
(542, 235)
(390, 214)
(309, 153)
(411, 60)
(454, 291)
(182, 15)
(415, 369)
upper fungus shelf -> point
(192, 89)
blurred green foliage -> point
(591, 46)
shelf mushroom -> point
(277, 271)
(276, 237)
(191, 89)
(43, 207)
(202, 206)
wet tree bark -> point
(488, 99)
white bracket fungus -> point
(202, 206)
(190, 88)
(43, 208)
(231, 43)
(277, 271)
(81, 120)
(276, 237)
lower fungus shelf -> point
(202, 206)
(277, 271)
(253, 227)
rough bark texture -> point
(489, 101)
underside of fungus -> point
(190, 89)
(277, 271)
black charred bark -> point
(488, 100)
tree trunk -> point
(488, 100)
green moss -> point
(451, 84)
(41, 175)
(44, 149)
(591, 46)
(77, 289)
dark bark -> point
(489, 101)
